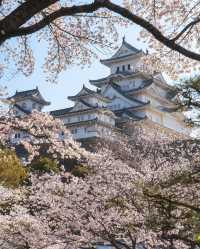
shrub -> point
(44, 165)
(12, 172)
(80, 171)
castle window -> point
(74, 131)
(17, 135)
(117, 70)
(123, 68)
(129, 67)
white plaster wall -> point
(95, 102)
(171, 122)
(118, 104)
(17, 112)
(167, 120)
(79, 106)
(77, 118)
(117, 100)
(155, 102)
(29, 105)
(129, 84)
(155, 89)
(83, 132)
(156, 117)
(20, 135)
(107, 119)
(132, 62)
(145, 98)
(90, 131)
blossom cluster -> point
(135, 192)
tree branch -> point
(191, 24)
(174, 202)
(10, 26)
(64, 11)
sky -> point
(70, 81)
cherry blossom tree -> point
(41, 134)
(135, 192)
(72, 29)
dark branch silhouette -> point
(13, 24)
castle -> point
(128, 93)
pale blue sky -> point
(70, 81)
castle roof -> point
(60, 112)
(129, 113)
(33, 94)
(126, 95)
(144, 85)
(85, 92)
(89, 122)
(125, 51)
(69, 111)
(119, 75)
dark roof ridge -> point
(89, 91)
(33, 93)
(131, 51)
(35, 90)
(131, 47)
(120, 73)
(63, 111)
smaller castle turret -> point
(89, 117)
(24, 102)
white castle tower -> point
(89, 117)
(22, 103)
(127, 93)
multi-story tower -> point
(22, 104)
(128, 93)
(89, 117)
(134, 94)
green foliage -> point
(44, 165)
(12, 172)
(197, 239)
(80, 171)
(189, 98)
